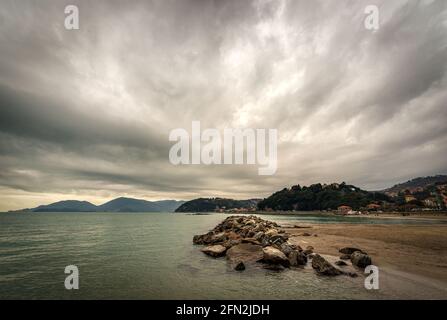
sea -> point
(149, 256)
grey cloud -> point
(88, 112)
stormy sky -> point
(86, 114)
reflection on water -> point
(144, 256)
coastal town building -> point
(344, 209)
(409, 197)
(373, 206)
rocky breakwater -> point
(250, 240)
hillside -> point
(116, 205)
(216, 204)
(421, 182)
(66, 206)
(136, 205)
(320, 197)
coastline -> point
(385, 215)
(412, 258)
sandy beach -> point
(412, 258)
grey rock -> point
(297, 258)
(322, 266)
(274, 256)
(215, 250)
(360, 260)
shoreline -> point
(441, 215)
(412, 258)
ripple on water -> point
(142, 256)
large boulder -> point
(209, 238)
(218, 238)
(215, 250)
(244, 252)
(286, 248)
(274, 256)
(278, 239)
(202, 238)
(322, 266)
(297, 258)
(360, 259)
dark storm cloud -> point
(87, 113)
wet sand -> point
(412, 259)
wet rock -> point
(274, 256)
(259, 236)
(278, 239)
(218, 238)
(215, 250)
(286, 248)
(230, 243)
(244, 252)
(202, 238)
(360, 260)
(265, 242)
(323, 267)
(297, 258)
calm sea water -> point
(144, 256)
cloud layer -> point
(86, 114)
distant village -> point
(430, 198)
(411, 199)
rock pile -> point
(247, 240)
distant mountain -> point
(135, 205)
(116, 205)
(320, 197)
(67, 206)
(421, 182)
(214, 204)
